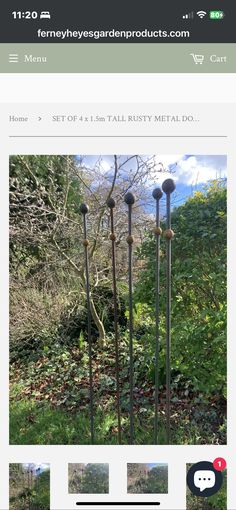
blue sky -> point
(191, 172)
(157, 464)
(35, 467)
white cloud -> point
(197, 170)
(167, 163)
(105, 165)
(34, 466)
(184, 169)
(191, 170)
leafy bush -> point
(33, 319)
(198, 291)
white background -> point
(161, 92)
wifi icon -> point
(201, 14)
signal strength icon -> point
(190, 15)
(201, 14)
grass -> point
(32, 423)
(49, 396)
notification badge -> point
(204, 479)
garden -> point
(147, 478)
(50, 390)
(29, 486)
(89, 478)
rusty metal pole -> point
(157, 194)
(168, 187)
(84, 209)
(111, 204)
(29, 505)
(129, 200)
(31, 483)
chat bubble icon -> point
(204, 479)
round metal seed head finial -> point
(168, 186)
(169, 234)
(157, 193)
(111, 203)
(129, 198)
(84, 208)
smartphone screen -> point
(117, 178)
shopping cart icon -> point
(198, 59)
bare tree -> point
(44, 196)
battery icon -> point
(217, 15)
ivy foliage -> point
(198, 291)
(89, 478)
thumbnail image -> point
(118, 299)
(147, 478)
(88, 478)
(29, 486)
(216, 502)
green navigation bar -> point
(117, 58)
